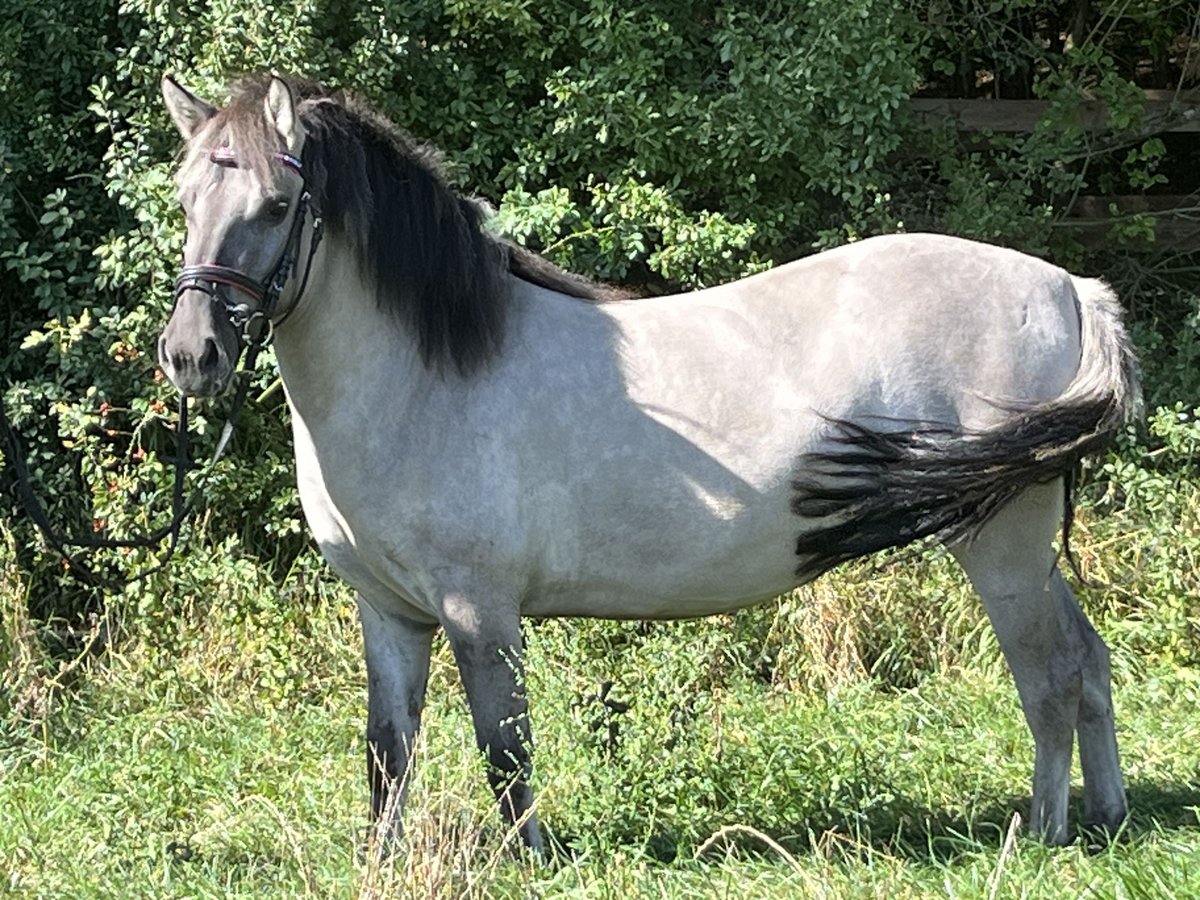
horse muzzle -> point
(198, 349)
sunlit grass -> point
(859, 739)
(185, 776)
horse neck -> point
(338, 351)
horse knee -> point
(507, 750)
(509, 758)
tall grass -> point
(203, 737)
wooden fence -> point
(1176, 215)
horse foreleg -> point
(488, 653)
(397, 653)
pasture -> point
(861, 738)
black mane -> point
(423, 245)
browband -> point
(224, 156)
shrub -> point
(650, 143)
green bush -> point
(656, 144)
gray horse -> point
(480, 436)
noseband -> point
(256, 323)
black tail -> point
(873, 489)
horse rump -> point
(869, 489)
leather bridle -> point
(255, 324)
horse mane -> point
(423, 245)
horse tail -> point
(867, 490)
(1108, 368)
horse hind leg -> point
(1058, 663)
(1104, 805)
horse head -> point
(243, 193)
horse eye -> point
(276, 209)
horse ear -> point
(188, 111)
(281, 111)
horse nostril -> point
(208, 359)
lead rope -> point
(192, 277)
(60, 542)
(181, 506)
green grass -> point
(218, 752)
(861, 738)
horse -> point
(481, 436)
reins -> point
(181, 505)
(255, 327)
(60, 542)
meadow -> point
(859, 738)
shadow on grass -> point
(909, 831)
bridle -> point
(256, 324)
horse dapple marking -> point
(480, 436)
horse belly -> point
(660, 555)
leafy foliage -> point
(656, 144)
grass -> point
(861, 738)
(219, 759)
